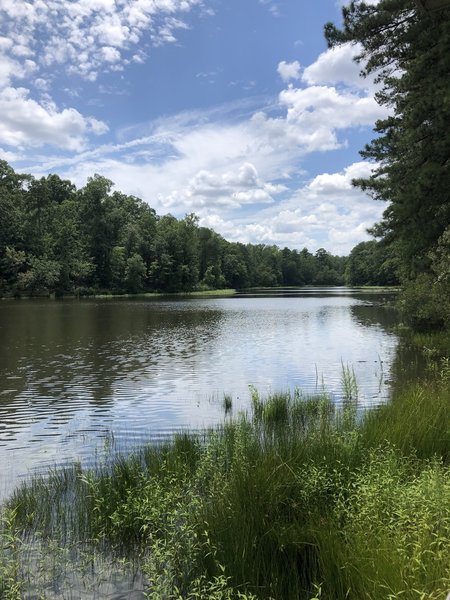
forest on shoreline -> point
(56, 239)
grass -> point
(223, 292)
(295, 499)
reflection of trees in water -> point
(375, 314)
(59, 351)
(408, 363)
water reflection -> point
(71, 372)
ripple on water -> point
(142, 370)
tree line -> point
(55, 238)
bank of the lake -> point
(198, 293)
(296, 499)
(221, 292)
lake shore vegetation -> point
(297, 498)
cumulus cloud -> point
(325, 212)
(25, 122)
(337, 66)
(9, 156)
(11, 68)
(315, 215)
(313, 116)
(230, 189)
(288, 71)
(334, 183)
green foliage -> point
(421, 305)
(416, 423)
(40, 277)
(391, 530)
(293, 500)
(10, 584)
(425, 301)
(135, 273)
(371, 263)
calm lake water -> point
(73, 373)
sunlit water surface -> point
(76, 374)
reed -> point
(294, 499)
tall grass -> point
(293, 500)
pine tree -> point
(408, 49)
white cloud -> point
(8, 68)
(41, 84)
(110, 54)
(229, 189)
(313, 116)
(288, 71)
(9, 156)
(315, 215)
(337, 66)
(88, 36)
(82, 37)
(11, 68)
(341, 3)
(25, 122)
(332, 183)
(257, 196)
(274, 7)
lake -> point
(76, 375)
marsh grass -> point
(10, 584)
(295, 499)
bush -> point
(423, 304)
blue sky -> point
(232, 109)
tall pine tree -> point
(409, 51)
(407, 48)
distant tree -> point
(12, 193)
(371, 263)
(329, 269)
(290, 267)
(212, 248)
(135, 273)
(235, 269)
(307, 266)
(176, 264)
(97, 226)
(40, 277)
(118, 266)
